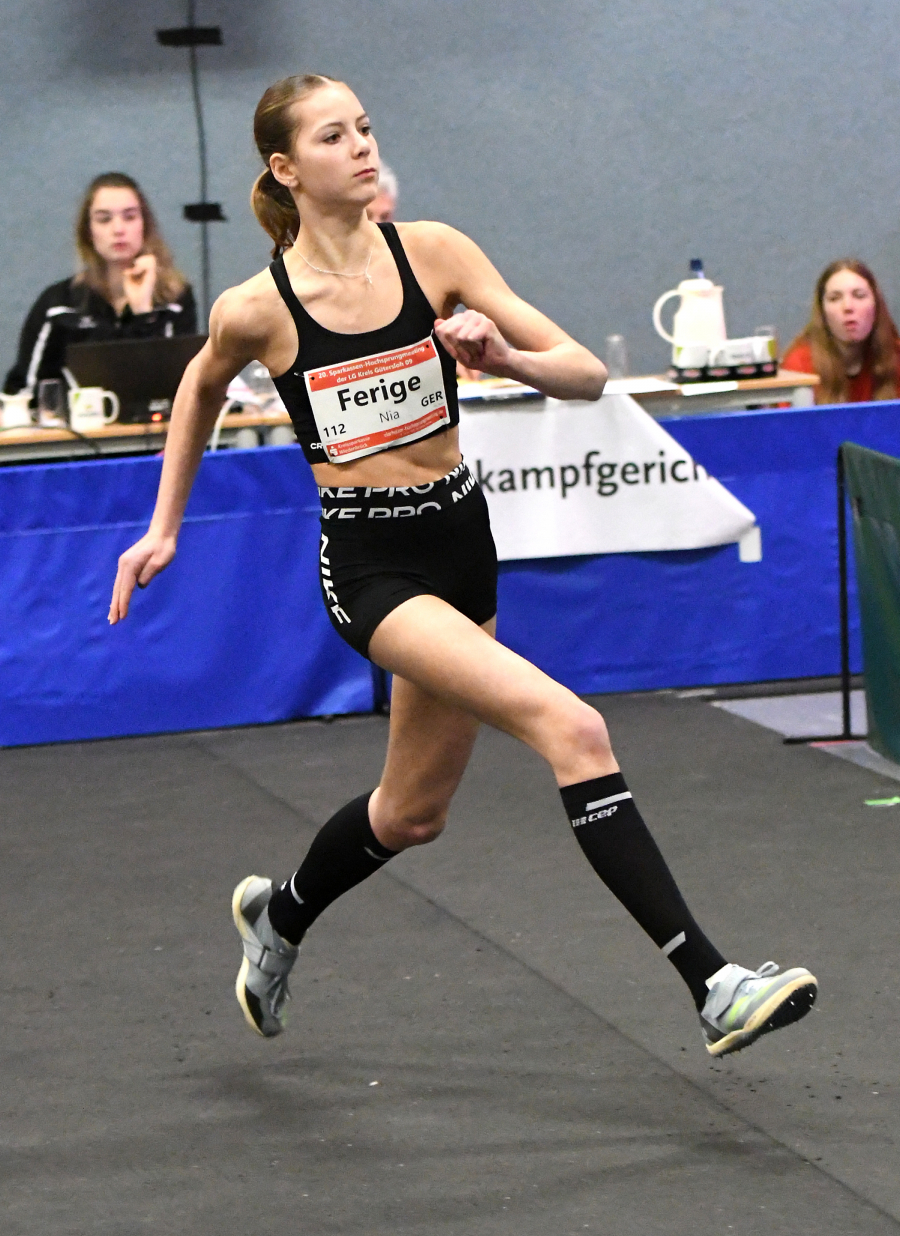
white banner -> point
(596, 478)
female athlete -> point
(357, 321)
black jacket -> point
(70, 312)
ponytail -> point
(275, 125)
(276, 210)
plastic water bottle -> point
(258, 379)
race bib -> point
(365, 405)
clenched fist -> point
(139, 282)
(474, 341)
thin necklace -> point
(343, 274)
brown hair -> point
(170, 282)
(275, 126)
(880, 349)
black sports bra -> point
(355, 395)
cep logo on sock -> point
(595, 815)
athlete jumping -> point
(357, 321)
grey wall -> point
(591, 147)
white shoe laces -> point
(724, 984)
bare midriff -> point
(415, 464)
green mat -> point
(873, 487)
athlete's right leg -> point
(437, 648)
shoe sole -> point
(787, 1005)
(245, 930)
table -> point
(259, 428)
(36, 444)
(787, 387)
(660, 397)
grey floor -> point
(481, 1042)
(816, 713)
(803, 715)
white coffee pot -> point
(699, 319)
(15, 411)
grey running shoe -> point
(743, 1004)
(261, 987)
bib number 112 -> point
(334, 431)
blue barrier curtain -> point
(234, 632)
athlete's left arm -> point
(499, 333)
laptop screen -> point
(144, 373)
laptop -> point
(144, 373)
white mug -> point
(15, 412)
(732, 352)
(765, 348)
(690, 355)
(86, 408)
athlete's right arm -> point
(197, 404)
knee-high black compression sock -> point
(618, 845)
(344, 852)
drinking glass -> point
(51, 403)
(616, 356)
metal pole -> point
(846, 731)
(846, 734)
(203, 212)
(201, 147)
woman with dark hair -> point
(127, 286)
(355, 321)
(850, 341)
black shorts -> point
(380, 547)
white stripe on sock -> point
(669, 949)
(613, 798)
(299, 900)
(379, 858)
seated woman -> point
(127, 287)
(850, 341)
